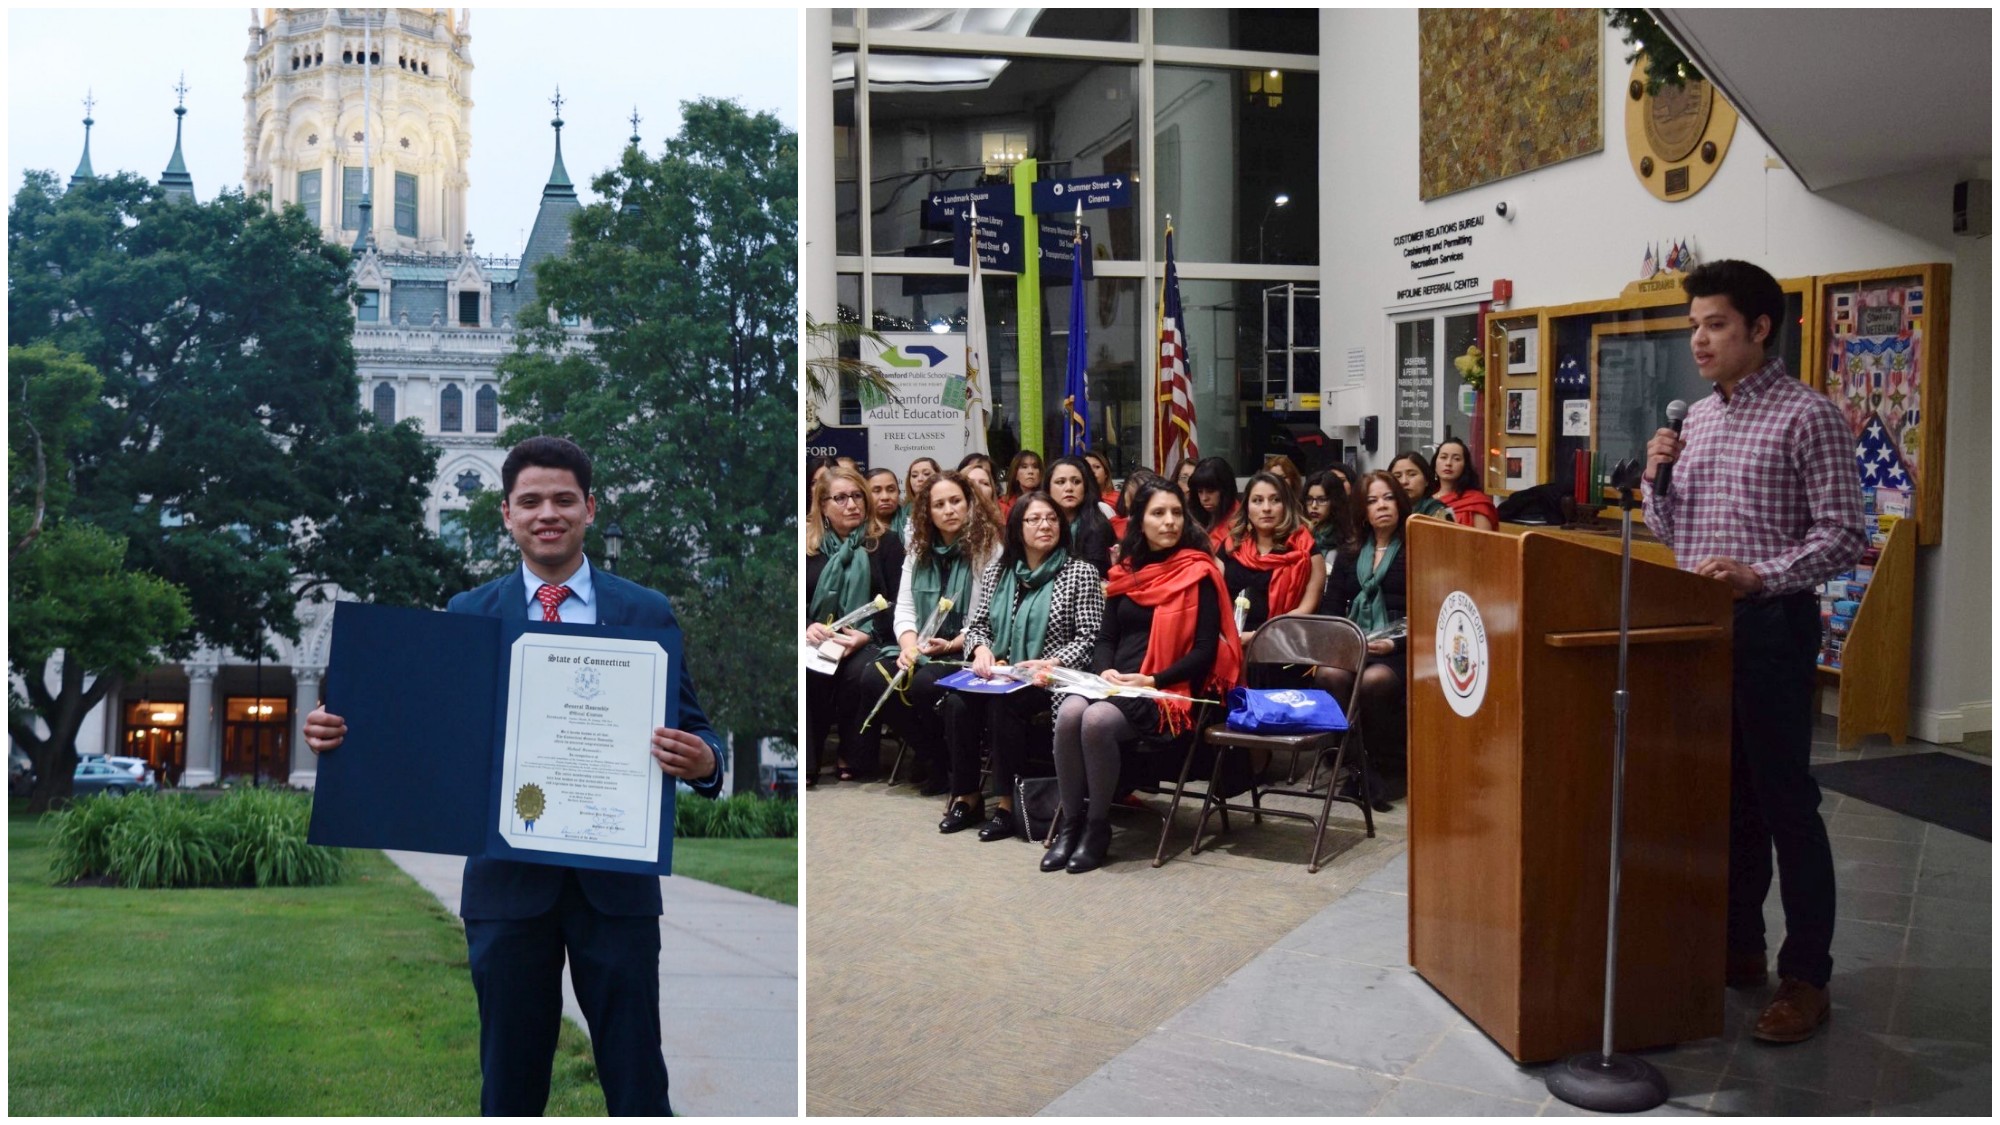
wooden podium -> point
(1510, 789)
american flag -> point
(1876, 456)
(1174, 435)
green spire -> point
(558, 186)
(175, 179)
(83, 170)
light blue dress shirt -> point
(580, 608)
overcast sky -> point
(604, 60)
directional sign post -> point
(1097, 193)
(1058, 249)
(1000, 244)
(943, 208)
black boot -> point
(1093, 849)
(1067, 834)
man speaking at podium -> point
(522, 920)
(1763, 495)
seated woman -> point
(1039, 607)
(1329, 508)
(1269, 556)
(1183, 479)
(1420, 483)
(1107, 493)
(1167, 625)
(1458, 486)
(1368, 586)
(1212, 496)
(953, 538)
(850, 559)
(885, 496)
(1127, 497)
(919, 474)
(1074, 491)
(1281, 466)
(1024, 475)
(981, 477)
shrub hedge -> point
(742, 817)
(248, 838)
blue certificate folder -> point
(424, 694)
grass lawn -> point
(352, 999)
(769, 868)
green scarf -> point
(945, 574)
(1324, 537)
(846, 581)
(1431, 506)
(1370, 609)
(1020, 630)
(901, 520)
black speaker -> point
(1370, 431)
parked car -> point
(779, 781)
(103, 777)
(137, 767)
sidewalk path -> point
(729, 990)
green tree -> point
(226, 449)
(686, 396)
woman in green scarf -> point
(952, 539)
(1368, 586)
(850, 559)
(1038, 607)
(1419, 481)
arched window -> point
(486, 405)
(385, 403)
(451, 410)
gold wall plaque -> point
(1677, 139)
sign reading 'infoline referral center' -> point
(1435, 254)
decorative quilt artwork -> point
(1874, 377)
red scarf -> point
(1219, 534)
(1118, 525)
(1290, 569)
(1470, 503)
(1173, 588)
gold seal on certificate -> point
(577, 766)
(529, 801)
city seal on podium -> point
(529, 804)
(1462, 661)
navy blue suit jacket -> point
(504, 889)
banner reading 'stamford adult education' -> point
(927, 417)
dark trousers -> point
(913, 711)
(1773, 799)
(517, 974)
(841, 701)
(1008, 722)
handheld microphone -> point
(1677, 412)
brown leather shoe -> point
(1745, 970)
(1795, 1014)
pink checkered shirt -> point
(1766, 478)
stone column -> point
(305, 764)
(203, 739)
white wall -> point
(1580, 230)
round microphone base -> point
(1608, 1084)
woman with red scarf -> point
(1211, 492)
(1167, 625)
(1269, 557)
(1458, 486)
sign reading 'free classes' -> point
(927, 416)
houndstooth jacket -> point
(1076, 612)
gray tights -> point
(1088, 735)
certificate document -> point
(577, 770)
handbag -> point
(1036, 801)
(1283, 711)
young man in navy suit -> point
(523, 919)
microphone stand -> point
(1604, 1080)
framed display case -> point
(1879, 353)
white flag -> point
(975, 346)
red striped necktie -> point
(551, 597)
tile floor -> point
(1332, 1021)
